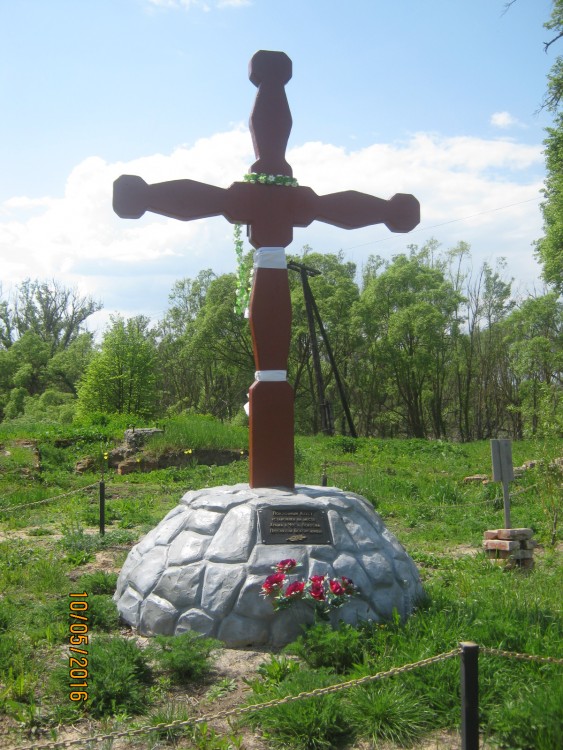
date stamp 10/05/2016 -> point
(78, 639)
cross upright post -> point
(271, 210)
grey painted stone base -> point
(202, 567)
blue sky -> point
(437, 98)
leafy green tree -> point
(535, 336)
(51, 311)
(121, 377)
(550, 247)
(66, 367)
(178, 364)
(43, 344)
(407, 315)
(204, 348)
(221, 350)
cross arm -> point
(179, 199)
(352, 210)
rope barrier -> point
(9, 509)
(523, 657)
(240, 711)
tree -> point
(549, 248)
(204, 349)
(43, 345)
(51, 311)
(407, 316)
(535, 336)
(121, 377)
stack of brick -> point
(514, 547)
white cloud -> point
(132, 265)
(503, 120)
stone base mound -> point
(203, 566)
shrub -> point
(185, 656)
(308, 724)
(321, 646)
(118, 678)
(387, 711)
(98, 582)
(102, 613)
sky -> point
(440, 99)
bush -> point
(308, 724)
(98, 582)
(185, 656)
(387, 711)
(321, 646)
(102, 613)
(118, 678)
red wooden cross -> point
(271, 211)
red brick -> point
(501, 544)
(493, 534)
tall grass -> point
(198, 431)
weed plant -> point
(98, 582)
(311, 724)
(387, 712)
(185, 657)
(166, 714)
(119, 679)
(321, 646)
(103, 616)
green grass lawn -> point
(50, 549)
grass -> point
(199, 431)
(50, 549)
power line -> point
(443, 224)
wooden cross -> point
(271, 211)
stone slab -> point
(515, 533)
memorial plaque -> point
(293, 525)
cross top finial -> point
(270, 121)
(270, 66)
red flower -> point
(317, 591)
(348, 585)
(273, 583)
(317, 580)
(286, 566)
(336, 587)
(295, 589)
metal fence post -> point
(102, 508)
(469, 696)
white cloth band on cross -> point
(270, 257)
(270, 375)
